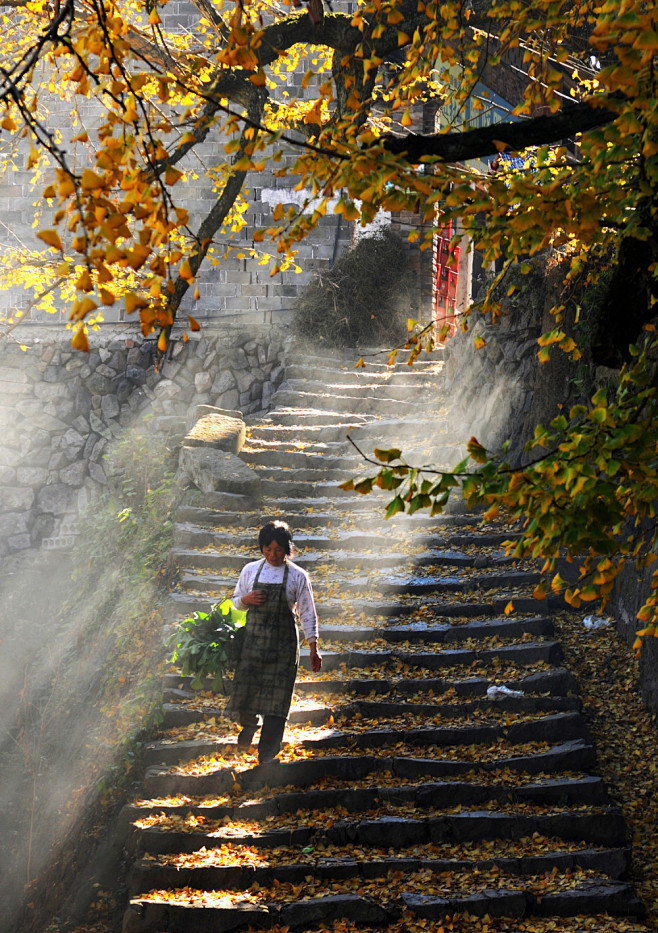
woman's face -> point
(274, 553)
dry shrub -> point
(364, 300)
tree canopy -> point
(143, 94)
(580, 77)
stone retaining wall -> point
(61, 409)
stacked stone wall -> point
(60, 411)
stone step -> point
(556, 682)
(322, 488)
(176, 714)
(344, 574)
(415, 390)
(588, 790)
(425, 632)
(298, 415)
(320, 459)
(307, 434)
(154, 874)
(149, 874)
(420, 633)
(371, 374)
(194, 528)
(314, 553)
(206, 512)
(526, 653)
(551, 728)
(555, 688)
(323, 474)
(562, 726)
(348, 401)
(597, 896)
(183, 604)
(567, 756)
(596, 826)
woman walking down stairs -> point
(438, 767)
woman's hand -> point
(316, 657)
(255, 598)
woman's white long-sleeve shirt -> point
(298, 591)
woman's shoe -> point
(267, 759)
(246, 737)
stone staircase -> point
(438, 767)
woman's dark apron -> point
(265, 675)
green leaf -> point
(364, 486)
(396, 505)
(386, 456)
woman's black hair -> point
(276, 531)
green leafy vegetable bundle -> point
(207, 644)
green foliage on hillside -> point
(92, 683)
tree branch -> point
(515, 135)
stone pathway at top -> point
(438, 767)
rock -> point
(13, 523)
(72, 443)
(97, 473)
(124, 391)
(214, 470)
(98, 426)
(31, 476)
(171, 425)
(203, 410)
(10, 458)
(74, 474)
(98, 450)
(352, 907)
(58, 499)
(169, 369)
(224, 380)
(110, 406)
(99, 384)
(202, 381)
(15, 498)
(48, 391)
(228, 399)
(81, 425)
(218, 431)
(245, 379)
(136, 375)
(496, 903)
(268, 392)
(165, 388)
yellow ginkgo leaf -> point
(79, 340)
(50, 238)
(185, 271)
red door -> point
(447, 274)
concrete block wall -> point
(233, 288)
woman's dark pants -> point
(270, 735)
